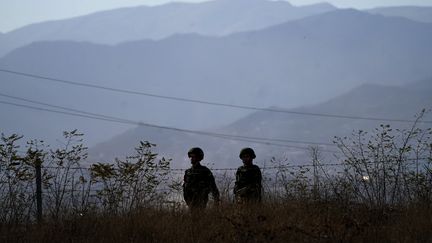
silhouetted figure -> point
(198, 182)
(248, 187)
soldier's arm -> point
(259, 175)
(213, 187)
(259, 180)
(186, 194)
(236, 184)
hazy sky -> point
(17, 13)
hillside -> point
(397, 102)
(421, 14)
(293, 64)
(219, 17)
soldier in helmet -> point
(248, 187)
(198, 182)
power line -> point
(130, 122)
(55, 106)
(277, 167)
(120, 119)
(246, 138)
(244, 107)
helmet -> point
(197, 151)
(247, 151)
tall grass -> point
(382, 192)
(295, 221)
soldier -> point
(248, 188)
(198, 182)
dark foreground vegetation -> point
(293, 221)
(379, 191)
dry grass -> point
(289, 222)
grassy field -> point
(294, 221)
(382, 192)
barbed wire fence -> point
(277, 179)
(28, 185)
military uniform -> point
(248, 185)
(198, 183)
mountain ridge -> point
(286, 66)
(269, 125)
(420, 14)
(158, 22)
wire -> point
(213, 169)
(56, 106)
(244, 107)
(130, 122)
(116, 118)
(262, 168)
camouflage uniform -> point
(248, 186)
(198, 183)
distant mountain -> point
(367, 101)
(421, 14)
(219, 17)
(297, 63)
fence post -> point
(38, 165)
(315, 164)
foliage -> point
(380, 189)
(70, 189)
(16, 181)
(65, 183)
(131, 183)
(390, 166)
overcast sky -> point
(17, 13)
